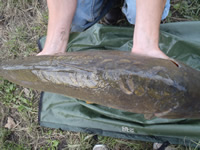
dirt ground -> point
(22, 22)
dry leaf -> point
(26, 92)
(10, 123)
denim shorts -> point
(88, 12)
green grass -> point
(22, 22)
(182, 10)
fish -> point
(150, 86)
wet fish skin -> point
(150, 86)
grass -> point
(184, 10)
(22, 22)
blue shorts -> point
(88, 12)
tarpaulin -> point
(180, 41)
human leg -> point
(129, 10)
(89, 12)
(67, 16)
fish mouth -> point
(175, 62)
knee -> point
(87, 13)
(166, 10)
(129, 9)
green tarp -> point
(180, 41)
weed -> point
(22, 23)
(7, 90)
(4, 134)
(184, 10)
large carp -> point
(149, 86)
